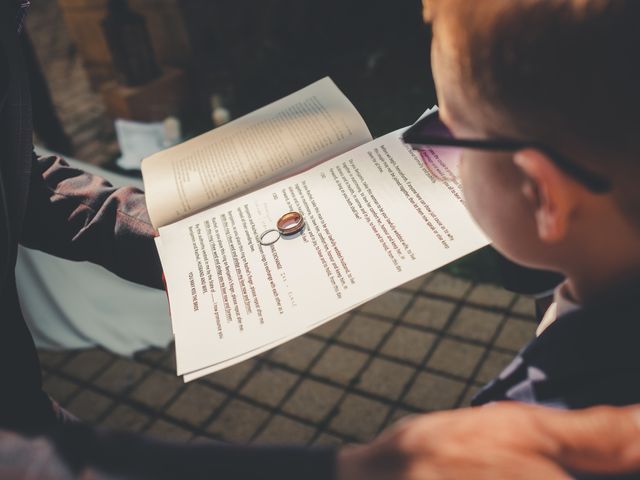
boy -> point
(545, 92)
(558, 79)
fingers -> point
(512, 440)
(597, 440)
(535, 468)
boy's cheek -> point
(483, 196)
(473, 199)
(498, 211)
(468, 186)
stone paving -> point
(425, 346)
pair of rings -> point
(287, 225)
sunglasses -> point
(430, 131)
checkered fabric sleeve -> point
(21, 14)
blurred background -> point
(204, 54)
(209, 61)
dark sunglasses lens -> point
(432, 126)
(441, 161)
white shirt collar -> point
(562, 305)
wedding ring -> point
(269, 237)
(290, 223)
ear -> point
(550, 193)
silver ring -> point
(267, 232)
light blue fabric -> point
(80, 305)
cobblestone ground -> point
(425, 346)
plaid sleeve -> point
(74, 215)
(21, 15)
(22, 457)
(81, 452)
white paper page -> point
(188, 377)
(159, 248)
(311, 125)
(242, 296)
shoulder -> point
(588, 357)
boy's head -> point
(563, 73)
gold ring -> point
(290, 223)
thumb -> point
(596, 440)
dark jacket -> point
(46, 205)
(587, 357)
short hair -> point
(564, 72)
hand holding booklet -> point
(374, 218)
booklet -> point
(375, 216)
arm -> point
(505, 440)
(501, 440)
(78, 216)
(78, 451)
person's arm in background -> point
(502, 441)
(78, 216)
(506, 440)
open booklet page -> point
(287, 136)
(376, 217)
